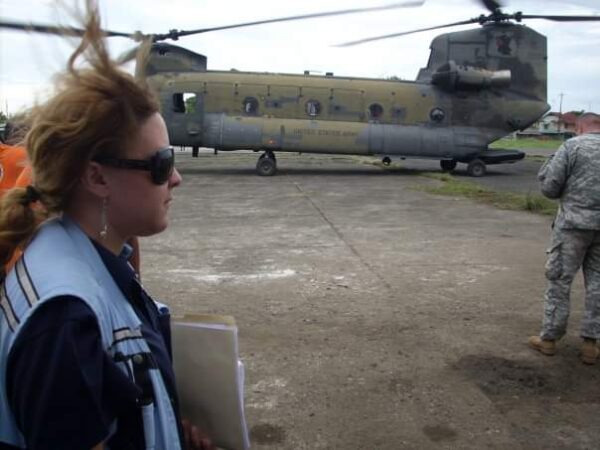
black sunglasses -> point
(160, 165)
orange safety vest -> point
(14, 171)
(12, 162)
(24, 178)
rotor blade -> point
(387, 36)
(562, 18)
(175, 34)
(62, 31)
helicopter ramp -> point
(500, 156)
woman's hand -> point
(194, 438)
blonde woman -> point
(84, 350)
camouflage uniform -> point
(573, 176)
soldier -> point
(572, 175)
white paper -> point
(210, 378)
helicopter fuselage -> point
(479, 85)
(262, 111)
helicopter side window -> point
(313, 108)
(184, 102)
(375, 111)
(437, 115)
(250, 106)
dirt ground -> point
(373, 315)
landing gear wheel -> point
(448, 165)
(195, 152)
(268, 154)
(386, 161)
(476, 168)
(266, 166)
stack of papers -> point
(210, 377)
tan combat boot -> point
(544, 346)
(589, 351)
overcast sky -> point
(28, 61)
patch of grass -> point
(451, 186)
(540, 204)
(537, 158)
(525, 143)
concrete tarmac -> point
(373, 315)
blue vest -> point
(60, 261)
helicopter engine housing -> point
(453, 77)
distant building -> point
(549, 125)
(569, 122)
(553, 124)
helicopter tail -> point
(498, 48)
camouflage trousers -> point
(571, 249)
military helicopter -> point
(478, 86)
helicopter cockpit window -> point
(184, 102)
(250, 106)
(313, 108)
(375, 111)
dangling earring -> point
(103, 222)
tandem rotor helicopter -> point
(478, 86)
